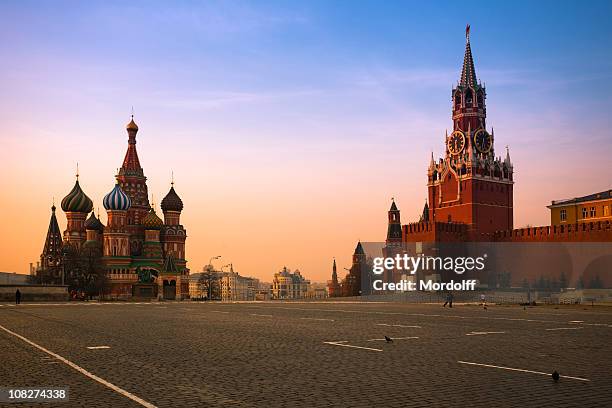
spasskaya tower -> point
(470, 185)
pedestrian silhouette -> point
(17, 297)
(449, 300)
(555, 376)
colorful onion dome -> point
(117, 200)
(152, 221)
(93, 223)
(172, 202)
(132, 125)
(76, 200)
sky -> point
(290, 125)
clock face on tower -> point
(456, 142)
(483, 141)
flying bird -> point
(388, 339)
(555, 376)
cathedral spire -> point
(468, 73)
(52, 250)
(131, 163)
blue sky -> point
(288, 103)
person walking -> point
(449, 300)
(17, 297)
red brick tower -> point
(133, 181)
(333, 286)
(393, 243)
(470, 185)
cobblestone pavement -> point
(311, 354)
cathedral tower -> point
(76, 205)
(116, 235)
(152, 244)
(174, 234)
(51, 256)
(134, 183)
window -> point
(563, 215)
(584, 212)
(606, 210)
(593, 212)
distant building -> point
(235, 287)
(288, 285)
(590, 208)
(12, 278)
(196, 289)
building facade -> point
(142, 255)
(237, 288)
(289, 285)
(590, 208)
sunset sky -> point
(290, 125)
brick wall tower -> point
(76, 205)
(133, 182)
(470, 185)
(393, 243)
(333, 286)
(351, 286)
(394, 228)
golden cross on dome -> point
(172, 179)
(77, 173)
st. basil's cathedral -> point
(141, 255)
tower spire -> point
(131, 163)
(468, 73)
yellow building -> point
(590, 208)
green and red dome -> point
(77, 200)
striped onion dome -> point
(77, 201)
(93, 223)
(152, 221)
(117, 199)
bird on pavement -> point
(388, 339)
(555, 376)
